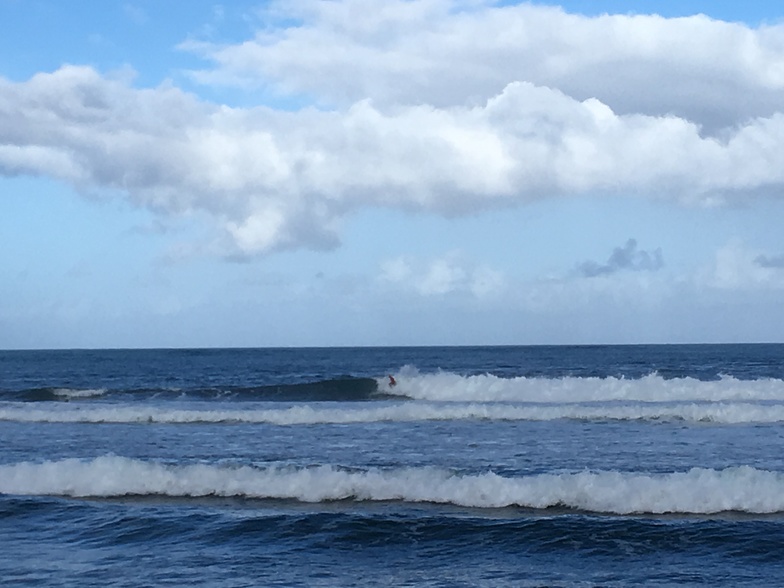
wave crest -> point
(451, 387)
(697, 491)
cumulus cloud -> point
(441, 276)
(461, 52)
(445, 107)
(627, 257)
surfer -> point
(392, 381)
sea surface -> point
(481, 466)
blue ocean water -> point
(482, 466)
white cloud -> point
(457, 53)
(442, 276)
(450, 274)
(741, 268)
(396, 270)
(443, 107)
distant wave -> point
(445, 387)
(697, 491)
(335, 390)
(451, 387)
(309, 414)
(52, 394)
(76, 393)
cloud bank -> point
(443, 107)
(462, 52)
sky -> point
(396, 172)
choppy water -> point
(488, 466)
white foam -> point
(709, 412)
(450, 387)
(75, 393)
(699, 490)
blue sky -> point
(390, 173)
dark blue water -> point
(484, 466)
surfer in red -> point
(392, 381)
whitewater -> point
(698, 490)
(483, 466)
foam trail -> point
(722, 412)
(699, 490)
(450, 387)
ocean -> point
(481, 466)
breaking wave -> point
(75, 393)
(445, 387)
(451, 387)
(53, 394)
(696, 491)
(306, 414)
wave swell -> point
(336, 390)
(697, 491)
